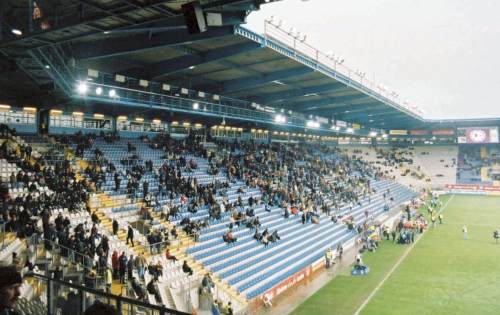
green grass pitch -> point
(443, 274)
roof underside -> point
(148, 39)
(237, 67)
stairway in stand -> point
(106, 201)
(179, 251)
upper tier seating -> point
(418, 167)
(439, 163)
(478, 164)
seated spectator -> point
(152, 288)
(250, 212)
(138, 289)
(265, 240)
(228, 237)
(257, 236)
(274, 237)
(186, 268)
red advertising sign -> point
(419, 132)
(288, 283)
(443, 132)
(475, 188)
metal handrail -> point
(155, 97)
(120, 300)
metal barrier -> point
(68, 298)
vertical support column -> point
(1, 23)
(119, 306)
(82, 301)
(30, 15)
(49, 296)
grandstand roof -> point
(96, 25)
(243, 65)
(148, 39)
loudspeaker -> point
(194, 17)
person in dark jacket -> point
(130, 235)
(186, 268)
(138, 289)
(123, 266)
(115, 227)
(152, 288)
(130, 266)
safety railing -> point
(104, 88)
(67, 298)
(59, 256)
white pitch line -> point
(362, 306)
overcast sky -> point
(442, 55)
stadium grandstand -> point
(159, 157)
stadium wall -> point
(473, 189)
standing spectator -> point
(207, 282)
(328, 258)
(123, 266)
(130, 235)
(464, 230)
(496, 236)
(130, 267)
(117, 182)
(393, 234)
(115, 264)
(340, 251)
(140, 263)
(29, 149)
(115, 227)
(228, 310)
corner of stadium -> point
(159, 157)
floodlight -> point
(312, 124)
(98, 91)
(82, 88)
(280, 119)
